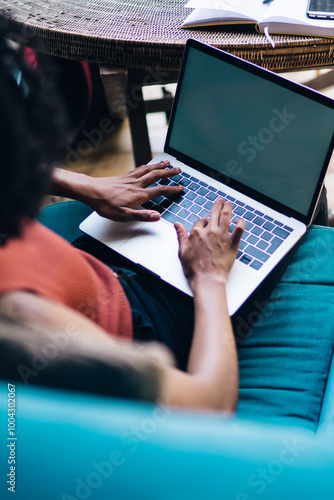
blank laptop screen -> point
(258, 133)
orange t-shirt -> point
(43, 263)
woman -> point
(47, 284)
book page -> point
(286, 11)
(252, 9)
(211, 17)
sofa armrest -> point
(326, 420)
(75, 446)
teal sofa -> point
(280, 444)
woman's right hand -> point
(209, 251)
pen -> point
(267, 1)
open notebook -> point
(245, 134)
(278, 16)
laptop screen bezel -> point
(224, 178)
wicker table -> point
(145, 35)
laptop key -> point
(288, 228)
(267, 236)
(158, 208)
(278, 231)
(268, 226)
(195, 209)
(193, 186)
(202, 191)
(239, 210)
(245, 259)
(158, 200)
(262, 245)
(183, 213)
(200, 200)
(208, 205)
(166, 203)
(249, 216)
(192, 218)
(249, 225)
(278, 223)
(252, 239)
(275, 243)
(259, 221)
(204, 213)
(174, 208)
(165, 182)
(256, 230)
(185, 203)
(212, 196)
(170, 217)
(190, 195)
(256, 264)
(148, 205)
(258, 254)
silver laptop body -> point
(249, 135)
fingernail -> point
(154, 216)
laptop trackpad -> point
(153, 245)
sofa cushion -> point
(286, 355)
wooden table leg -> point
(139, 131)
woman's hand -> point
(117, 197)
(210, 250)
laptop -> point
(246, 134)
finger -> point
(200, 223)
(215, 212)
(225, 216)
(182, 236)
(161, 190)
(140, 215)
(237, 233)
(157, 174)
(145, 169)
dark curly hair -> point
(31, 135)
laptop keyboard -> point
(262, 235)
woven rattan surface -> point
(146, 33)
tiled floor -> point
(114, 155)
